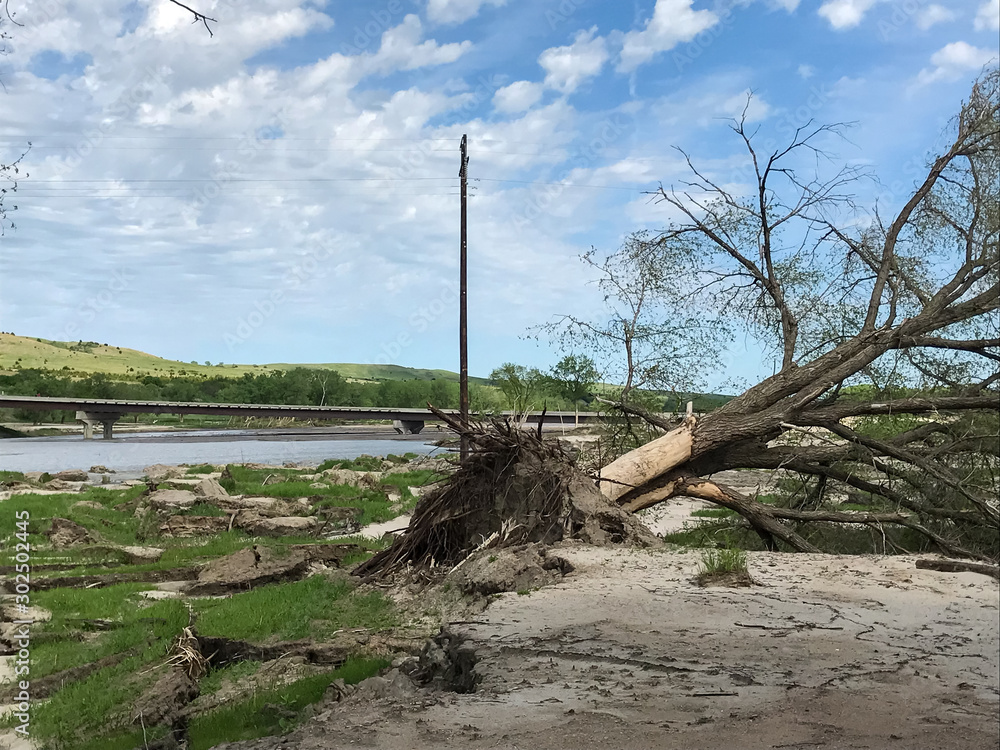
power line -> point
(564, 184)
(28, 137)
(228, 180)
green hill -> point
(20, 352)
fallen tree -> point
(887, 338)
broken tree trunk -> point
(647, 462)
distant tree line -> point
(297, 386)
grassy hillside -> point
(91, 357)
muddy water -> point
(130, 452)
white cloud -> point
(845, 14)
(715, 101)
(790, 5)
(806, 71)
(567, 67)
(988, 16)
(673, 21)
(953, 60)
(457, 11)
(933, 14)
(517, 97)
(401, 49)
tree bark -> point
(645, 463)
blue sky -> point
(286, 190)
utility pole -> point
(463, 311)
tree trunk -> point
(636, 468)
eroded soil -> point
(627, 652)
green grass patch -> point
(99, 705)
(271, 712)
(201, 469)
(12, 476)
(717, 561)
(405, 458)
(714, 513)
(138, 623)
(718, 532)
(374, 504)
(418, 478)
(361, 463)
(95, 712)
(110, 524)
(313, 607)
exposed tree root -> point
(514, 488)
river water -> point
(129, 453)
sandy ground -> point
(627, 652)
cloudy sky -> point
(285, 190)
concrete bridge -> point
(105, 412)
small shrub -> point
(723, 561)
(724, 567)
(201, 469)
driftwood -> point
(956, 566)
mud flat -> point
(627, 652)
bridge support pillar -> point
(408, 426)
(92, 419)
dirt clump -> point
(160, 472)
(258, 565)
(520, 568)
(447, 662)
(171, 500)
(164, 702)
(254, 523)
(726, 579)
(188, 526)
(248, 568)
(360, 479)
(345, 520)
(64, 533)
(72, 475)
(62, 485)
